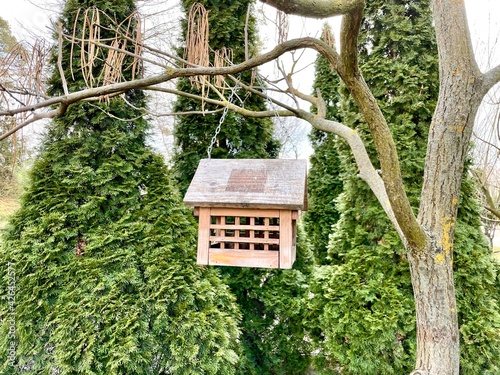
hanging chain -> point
(221, 121)
(268, 99)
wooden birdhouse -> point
(248, 209)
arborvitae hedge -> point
(101, 254)
(324, 182)
(240, 137)
(364, 299)
(271, 301)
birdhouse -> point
(248, 209)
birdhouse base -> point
(240, 237)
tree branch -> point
(379, 129)
(315, 8)
(492, 77)
(367, 171)
(38, 116)
(172, 73)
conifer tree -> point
(324, 183)
(100, 256)
(271, 301)
(239, 137)
(364, 302)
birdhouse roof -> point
(249, 183)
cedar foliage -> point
(239, 137)
(271, 301)
(364, 301)
(324, 182)
(102, 251)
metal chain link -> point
(221, 121)
(269, 100)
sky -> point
(28, 18)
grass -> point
(7, 207)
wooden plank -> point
(286, 239)
(252, 232)
(244, 258)
(245, 227)
(271, 241)
(278, 183)
(242, 212)
(203, 236)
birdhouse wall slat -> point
(286, 239)
(245, 212)
(203, 235)
(244, 258)
(269, 241)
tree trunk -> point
(436, 312)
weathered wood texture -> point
(248, 211)
(249, 183)
(247, 237)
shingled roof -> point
(249, 183)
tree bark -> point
(461, 91)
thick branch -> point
(38, 116)
(492, 77)
(367, 171)
(386, 148)
(315, 8)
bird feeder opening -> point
(248, 209)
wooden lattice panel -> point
(246, 237)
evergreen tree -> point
(239, 137)
(324, 183)
(364, 303)
(271, 301)
(101, 253)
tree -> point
(271, 301)
(12, 153)
(232, 27)
(426, 235)
(101, 253)
(369, 301)
(324, 183)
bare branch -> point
(222, 103)
(315, 8)
(492, 77)
(36, 117)
(367, 171)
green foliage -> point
(273, 306)
(366, 319)
(324, 183)
(101, 255)
(271, 301)
(364, 302)
(239, 137)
